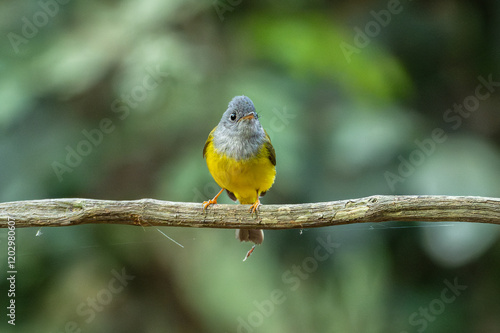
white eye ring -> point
(233, 116)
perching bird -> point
(241, 159)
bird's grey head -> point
(239, 133)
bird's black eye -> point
(233, 116)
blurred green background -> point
(115, 99)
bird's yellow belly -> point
(247, 179)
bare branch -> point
(150, 212)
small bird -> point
(241, 159)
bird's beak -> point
(249, 116)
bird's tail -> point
(250, 235)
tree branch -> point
(150, 212)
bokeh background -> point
(115, 99)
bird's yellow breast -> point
(246, 178)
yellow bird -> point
(241, 159)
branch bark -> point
(150, 212)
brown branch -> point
(150, 212)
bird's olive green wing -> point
(210, 138)
(270, 149)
